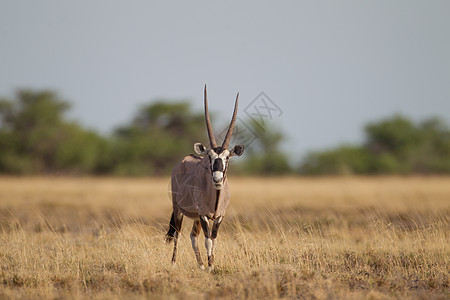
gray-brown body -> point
(193, 193)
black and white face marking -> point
(218, 158)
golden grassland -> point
(313, 238)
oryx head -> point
(219, 156)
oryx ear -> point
(237, 150)
(199, 149)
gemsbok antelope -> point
(200, 189)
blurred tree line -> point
(392, 146)
(37, 138)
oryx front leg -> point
(194, 240)
(215, 229)
(208, 242)
(210, 238)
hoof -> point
(210, 269)
(201, 267)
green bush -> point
(393, 146)
(35, 137)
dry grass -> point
(345, 238)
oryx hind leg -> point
(171, 232)
(194, 240)
(178, 219)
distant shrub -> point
(393, 146)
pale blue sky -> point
(331, 66)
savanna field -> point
(307, 238)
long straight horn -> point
(226, 141)
(212, 139)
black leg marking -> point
(178, 222)
(171, 233)
(215, 227)
(205, 226)
(210, 261)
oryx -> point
(200, 189)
